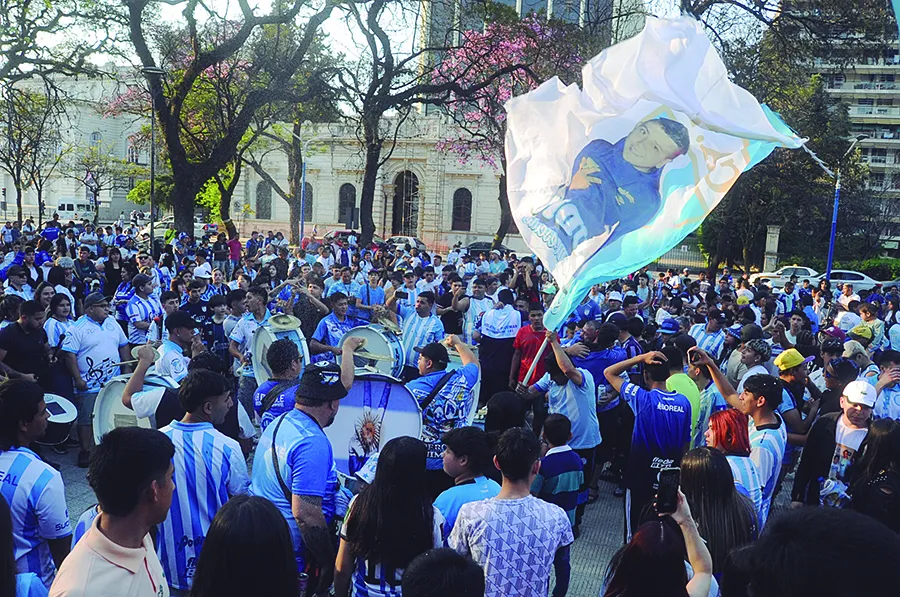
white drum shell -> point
(109, 412)
(379, 341)
(59, 424)
(263, 337)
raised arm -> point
(563, 360)
(613, 373)
(466, 355)
(699, 356)
(136, 381)
(350, 344)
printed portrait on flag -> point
(605, 178)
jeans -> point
(246, 387)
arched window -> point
(346, 204)
(307, 202)
(406, 204)
(462, 210)
(96, 138)
(263, 201)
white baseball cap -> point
(614, 296)
(860, 392)
(203, 271)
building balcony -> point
(863, 88)
(873, 113)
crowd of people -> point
(745, 391)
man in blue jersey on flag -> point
(209, 469)
(614, 188)
(662, 430)
(294, 466)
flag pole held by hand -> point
(534, 363)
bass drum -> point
(263, 337)
(383, 345)
(456, 363)
(377, 409)
(109, 412)
(62, 414)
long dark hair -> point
(880, 451)
(726, 519)
(7, 552)
(392, 520)
(651, 564)
(247, 551)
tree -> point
(545, 50)
(222, 54)
(392, 81)
(98, 169)
(30, 136)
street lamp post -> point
(303, 153)
(837, 199)
(152, 71)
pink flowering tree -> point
(543, 50)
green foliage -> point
(140, 194)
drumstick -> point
(125, 363)
(372, 356)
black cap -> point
(434, 351)
(93, 299)
(140, 279)
(321, 381)
(618, 319)
(181, 319)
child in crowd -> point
(561, 473)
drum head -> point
(62, 414)
(377, 409)
(109, 412)
(263, 337)
(379, 343)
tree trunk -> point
(19, 203)
(505, 210)
(40, 198)
(367, 200)
(184, 198)
(746, 255)
(295, 184)
(96, 207)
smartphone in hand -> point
(667, 493)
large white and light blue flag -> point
(605, 179)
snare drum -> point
(382, 343)
(62, 414)
(109, 412)
(263, 337)
(456, 363)
(377, 409)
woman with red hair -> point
(728, 433)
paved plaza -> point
(601, 534)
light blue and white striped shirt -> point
(141, 310)
(55, 329)
(209, 469)
(711, 401)
(747, 481)
(417, 332)
(767, 453)
(37, 500)
(711, 342)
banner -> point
(604, 180)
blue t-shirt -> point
(473, 490)
(605, 191)
(366, 295)
(578, 404)
(282, 404)
(449, 409)
(307, 467)
(596, 362)
(662, 430)
(329, 331)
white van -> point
(69, 210)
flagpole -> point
(534, 363)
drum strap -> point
(437, 388)
(272, 394)
(284, 487)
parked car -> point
(160, 226)
(859, 280)
(481, 246)
(336, 235)
(402, 241)
(777, 278)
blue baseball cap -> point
(669, 327)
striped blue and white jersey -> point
(417, 332)
(209, 469)
(711, 401)
(55, 329)
(711, 342)
(767, 446)
(476, 310)
(371, 579)
(37, 501)
(141, 310)
(747, 481)
(243, 335)
(85, 521)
